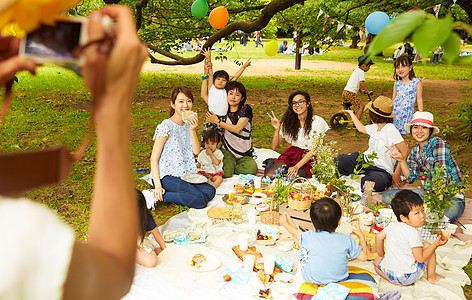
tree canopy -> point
(164, 24)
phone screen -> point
(60, 41)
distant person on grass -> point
(40, 257)
(355, 83)
(298, 127)
(175, 143)
(405, 256)
(213, 90)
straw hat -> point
(425, 119)
(382, 106)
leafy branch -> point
(426, 31)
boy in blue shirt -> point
(324, 251)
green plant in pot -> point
(325, 170)
(438, 195)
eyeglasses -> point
(298, 103)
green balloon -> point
(199, 8)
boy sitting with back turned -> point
(325, 252)
(405, 256)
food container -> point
(358, 209)
(468, 229)
(284, 245)
(386, 212)
(451, 228)
(285, 278)
(300, 199)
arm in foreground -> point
(104, 267)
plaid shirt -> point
(435, 153)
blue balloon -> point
(376, 21)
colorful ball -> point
(271, 48)
(219, 17)
(376, 21)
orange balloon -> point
(219, 17)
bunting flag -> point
(319, 14)
(325, 19)
(340, 26)
(436, 9)
(454, 2)
(331, 20)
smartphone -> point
(58, 43)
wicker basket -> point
(270, 217)
(300, 204)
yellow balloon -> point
(271, 48)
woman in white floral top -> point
(175, 142)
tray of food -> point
(220, 212)
(235, 198)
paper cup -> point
(269, 264)
(243, 241)
(257, 183)
(248, 261)
(251, 216)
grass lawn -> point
(53, 108)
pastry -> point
(443, 235)
(187, 114)
(239, 188)
(197, 260)
(263, 277)
(195, 236)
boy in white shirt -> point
(406, 256)
(213, 90)
(356, 82)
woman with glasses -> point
(299, 127)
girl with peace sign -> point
(298, 128)
(430, 152)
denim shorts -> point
(406, 278)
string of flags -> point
(340, 25)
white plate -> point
(285, 278)
(194, 178)
(211, 263)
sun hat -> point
(423, 118)
(365, 59)
(382, 106)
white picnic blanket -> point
(171, 279)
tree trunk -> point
(355, 41)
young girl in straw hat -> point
(430, 152)
(382, 133)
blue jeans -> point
(453, 213)
(187, 194)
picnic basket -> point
(303, 199)
(270, 217)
